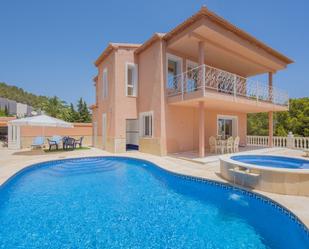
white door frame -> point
(229, 117)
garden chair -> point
(236, 144)
(54, 142)
(79, 142)
(68, 143)
(213, 144)
(229, 145)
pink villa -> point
(176, 90)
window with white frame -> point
(105, 84)
(146, 124)
(131, 79)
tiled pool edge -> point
(284, 210)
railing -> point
(285, 142)
(205, 78)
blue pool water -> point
(113, 202)
(273, 161)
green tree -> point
(84, 115)
(295, 120)
(55, 108)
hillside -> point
(52, 106)
(21, 96)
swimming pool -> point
(112, 202)
(273, 161)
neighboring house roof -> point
(4, 121)
(111, 46)
(93, 106)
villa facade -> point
(171, 93)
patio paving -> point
(13, 161)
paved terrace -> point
(13, 161)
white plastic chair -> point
(229, 145)
(213, 144)
(236, 144)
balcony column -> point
(270, 86)
(201, 62)
(201, 134)
(270, 129)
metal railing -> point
(205, 78)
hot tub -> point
(271, 173)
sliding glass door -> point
(227, 127)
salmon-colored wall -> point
(126, 106)
(150, 79)
(106, 105)
(79, 129)
(183, 131)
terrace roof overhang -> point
(225, 46)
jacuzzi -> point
(271, 173)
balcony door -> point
(227, 126)
(174, 77)
(192, 76)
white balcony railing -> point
(206, 78)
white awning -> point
(41, 120)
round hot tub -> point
(276, 174)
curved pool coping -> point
(228, 159)
(284, 210)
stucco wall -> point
(151, 95)
(28, 133)
(182, 127)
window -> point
(146, 121)
(131, 79)
(105, 84)
(174, 66)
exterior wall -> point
(21, 110)
(117, 105)
(28, 133)
(152, 97)
(106, 105)
(182, 127)
(126, 106)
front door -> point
(104, 130)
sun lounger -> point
(38, 142)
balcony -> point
(206, 83)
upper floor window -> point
(105, 84)
(131, 79)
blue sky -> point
(48, 47)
